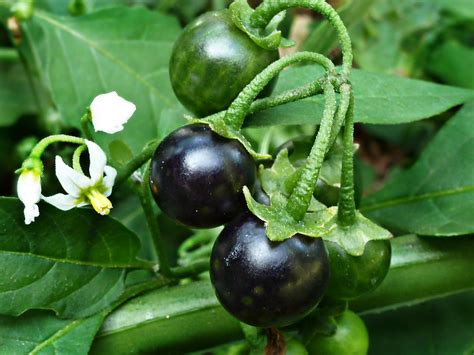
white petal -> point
(29, 187)
(31, 212)
(98, 159)
(71, 180)
(61, 201)
(110, 112)
(109, 179)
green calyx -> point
(269, 37)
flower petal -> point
(98, 159)
(29, 187)
(110, 112)
(109, 179)
(61, 201)
(31, 212)
(71, 180)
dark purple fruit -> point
(265, 283)
(197, 176)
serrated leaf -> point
(71, 262)
(79, 58)
(436, 196)
(379, 99)
(40, 332)
(16, 97)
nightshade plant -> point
(299, 275)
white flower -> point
(29, 192)
(110, 112)
(81, 189)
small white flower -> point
(81, 189)
(29, 192)
(110, 112)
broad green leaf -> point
(452, 62)
(60, 7)
(40, 332)
(379, 98)
(16, 97)
(441, 327)
(435, 196)
(71, 262)
(117, 49)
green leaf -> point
(79, 58)
(71, 262)
(435, 196)
(16, 97)
(379, 98)
(40, 332)
(452, 62)
(60, 7)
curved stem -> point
(300, 197)
(85, 126)
(345, 91)
(76, 158)
(136, 162)
(152, 221)
(235, 114)
(346, 206)
(269, 8)
(45, 142)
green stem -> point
(311, 89)
(85, 126)
(9, 55)
(239, 108)
(346, 206)
(194, 269)
(76, 158)
(269, 8)
(159, 249)
(345, 90)
(301, 195)
(136, 162)
(45, 142)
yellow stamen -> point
(101, 204)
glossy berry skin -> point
(351, 338)
(352, 276)
(197, 176)
(212, 61)
(265, 283)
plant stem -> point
(76, 158)
(9, 54)
(45, 142)
(269, 8)
(190, 270)
(300, 197)
(235, 114)
(85, 119)
(345, 90)
(136, 162)
(346, 206)
(159, 250)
